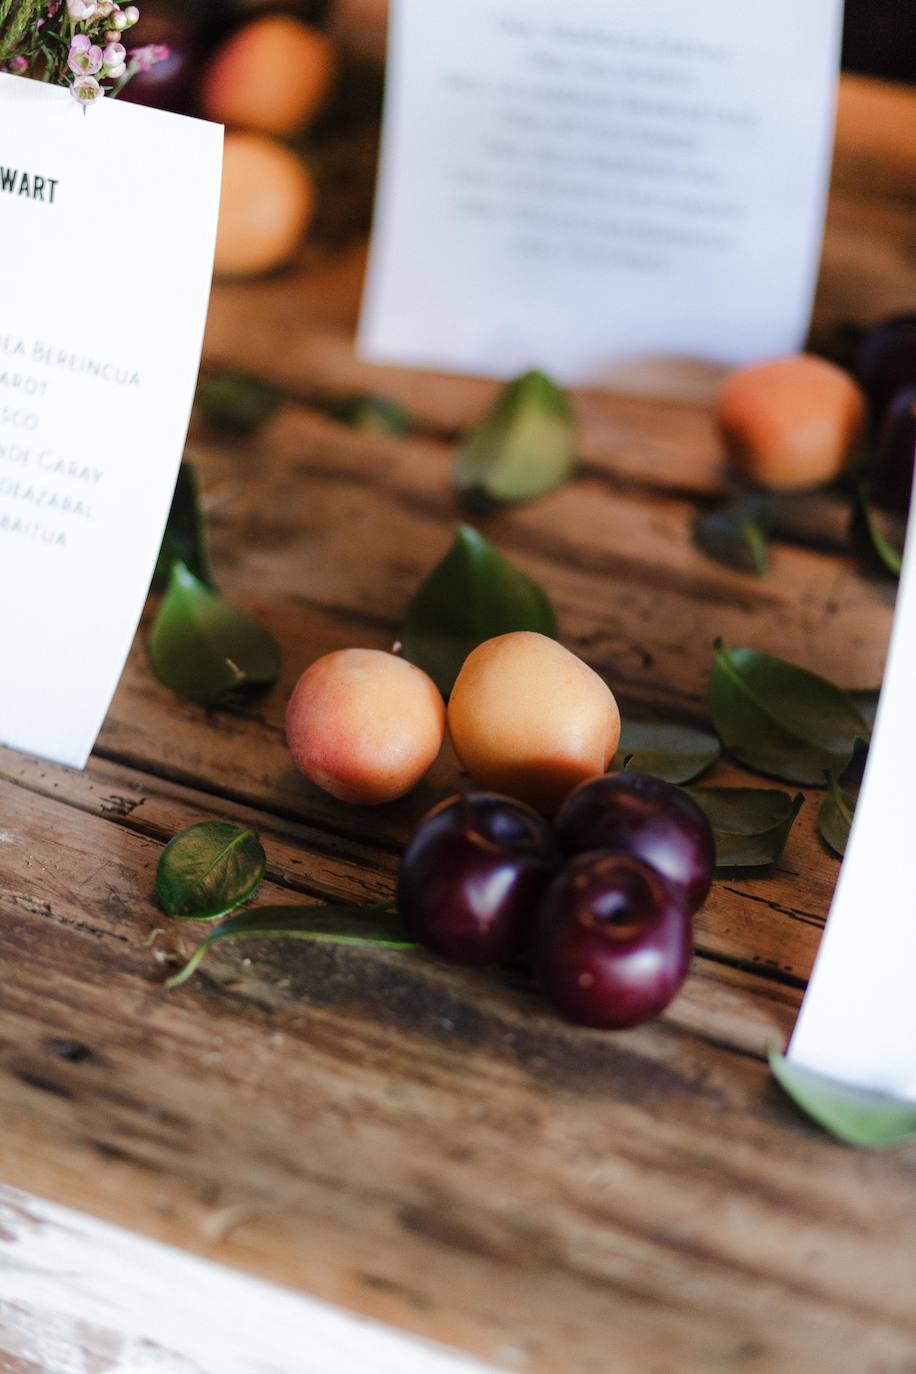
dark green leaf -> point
(184, 534)
(371, 415)
(203, 648)
(471, 596)
(237, 402)
(525, 444)
(886, 552)
(781, 720)
(736, 534)
(209, 870)
(674, 752)
(834, 819)
(872, 1121)
(866, 703)
(750, 824)
(341, 925)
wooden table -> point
(423, 1144)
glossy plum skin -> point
(472, 876)
(887, 361)
(613, 942)
(641, 815)
(897, 451)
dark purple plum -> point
(635, 813)
(887, 361)
(613, 942)
(897, 452)
(472, 876)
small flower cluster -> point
(79, 43)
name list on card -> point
(858, 1019)
(107, 224)
(592, 186)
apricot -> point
(791, 423)
(365, 725)
(529, 719)
(273, 76)
(265, 207)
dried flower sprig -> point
(74, 43)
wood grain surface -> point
(421, 1144)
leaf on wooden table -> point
(888, 554)
(677, 753)
(371, 415)
(871, 1121)
(184, 541)
(781, 720)
(204, 648)
(525, 445)
(237, 402)
(341, 925)
(866, 701)
(750, 824)
(834, 819)
(209, 870)
(736, 534)
(471, 596)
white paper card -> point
(858, 1019)
(587, 186)
(107, 231)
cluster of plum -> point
(601, 901)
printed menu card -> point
(590, 187)
(107, 230)
(858, 1019)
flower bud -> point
(120, 22)
(115, 73)
(132, 15)
(115, 55)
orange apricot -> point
(530, 719)
(791, 423)
(265, 207)
(365, 725)
(273, 76)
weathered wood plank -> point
(405, 1156)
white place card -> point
(858, 1019)
(599, 188)
(107, 231)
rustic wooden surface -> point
(418, 1143)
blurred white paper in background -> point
(593, 187)
(858, 1019)
(98, 368)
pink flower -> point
(85, 58)
(114, 56)
(86, 90)
(141, 59)
(18, 65)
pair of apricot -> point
(526, 717)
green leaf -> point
(209, 870)
(779, 719)
(865, 701)
(237, 402)
(203, 648)
(750, 824)
(341, 925)
(184, 533)
(525, 444)
(871, 1121)
(834, 820)
(868, 521)
(736, 534)
(471, 596)
(677, 753)
(372, 415)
